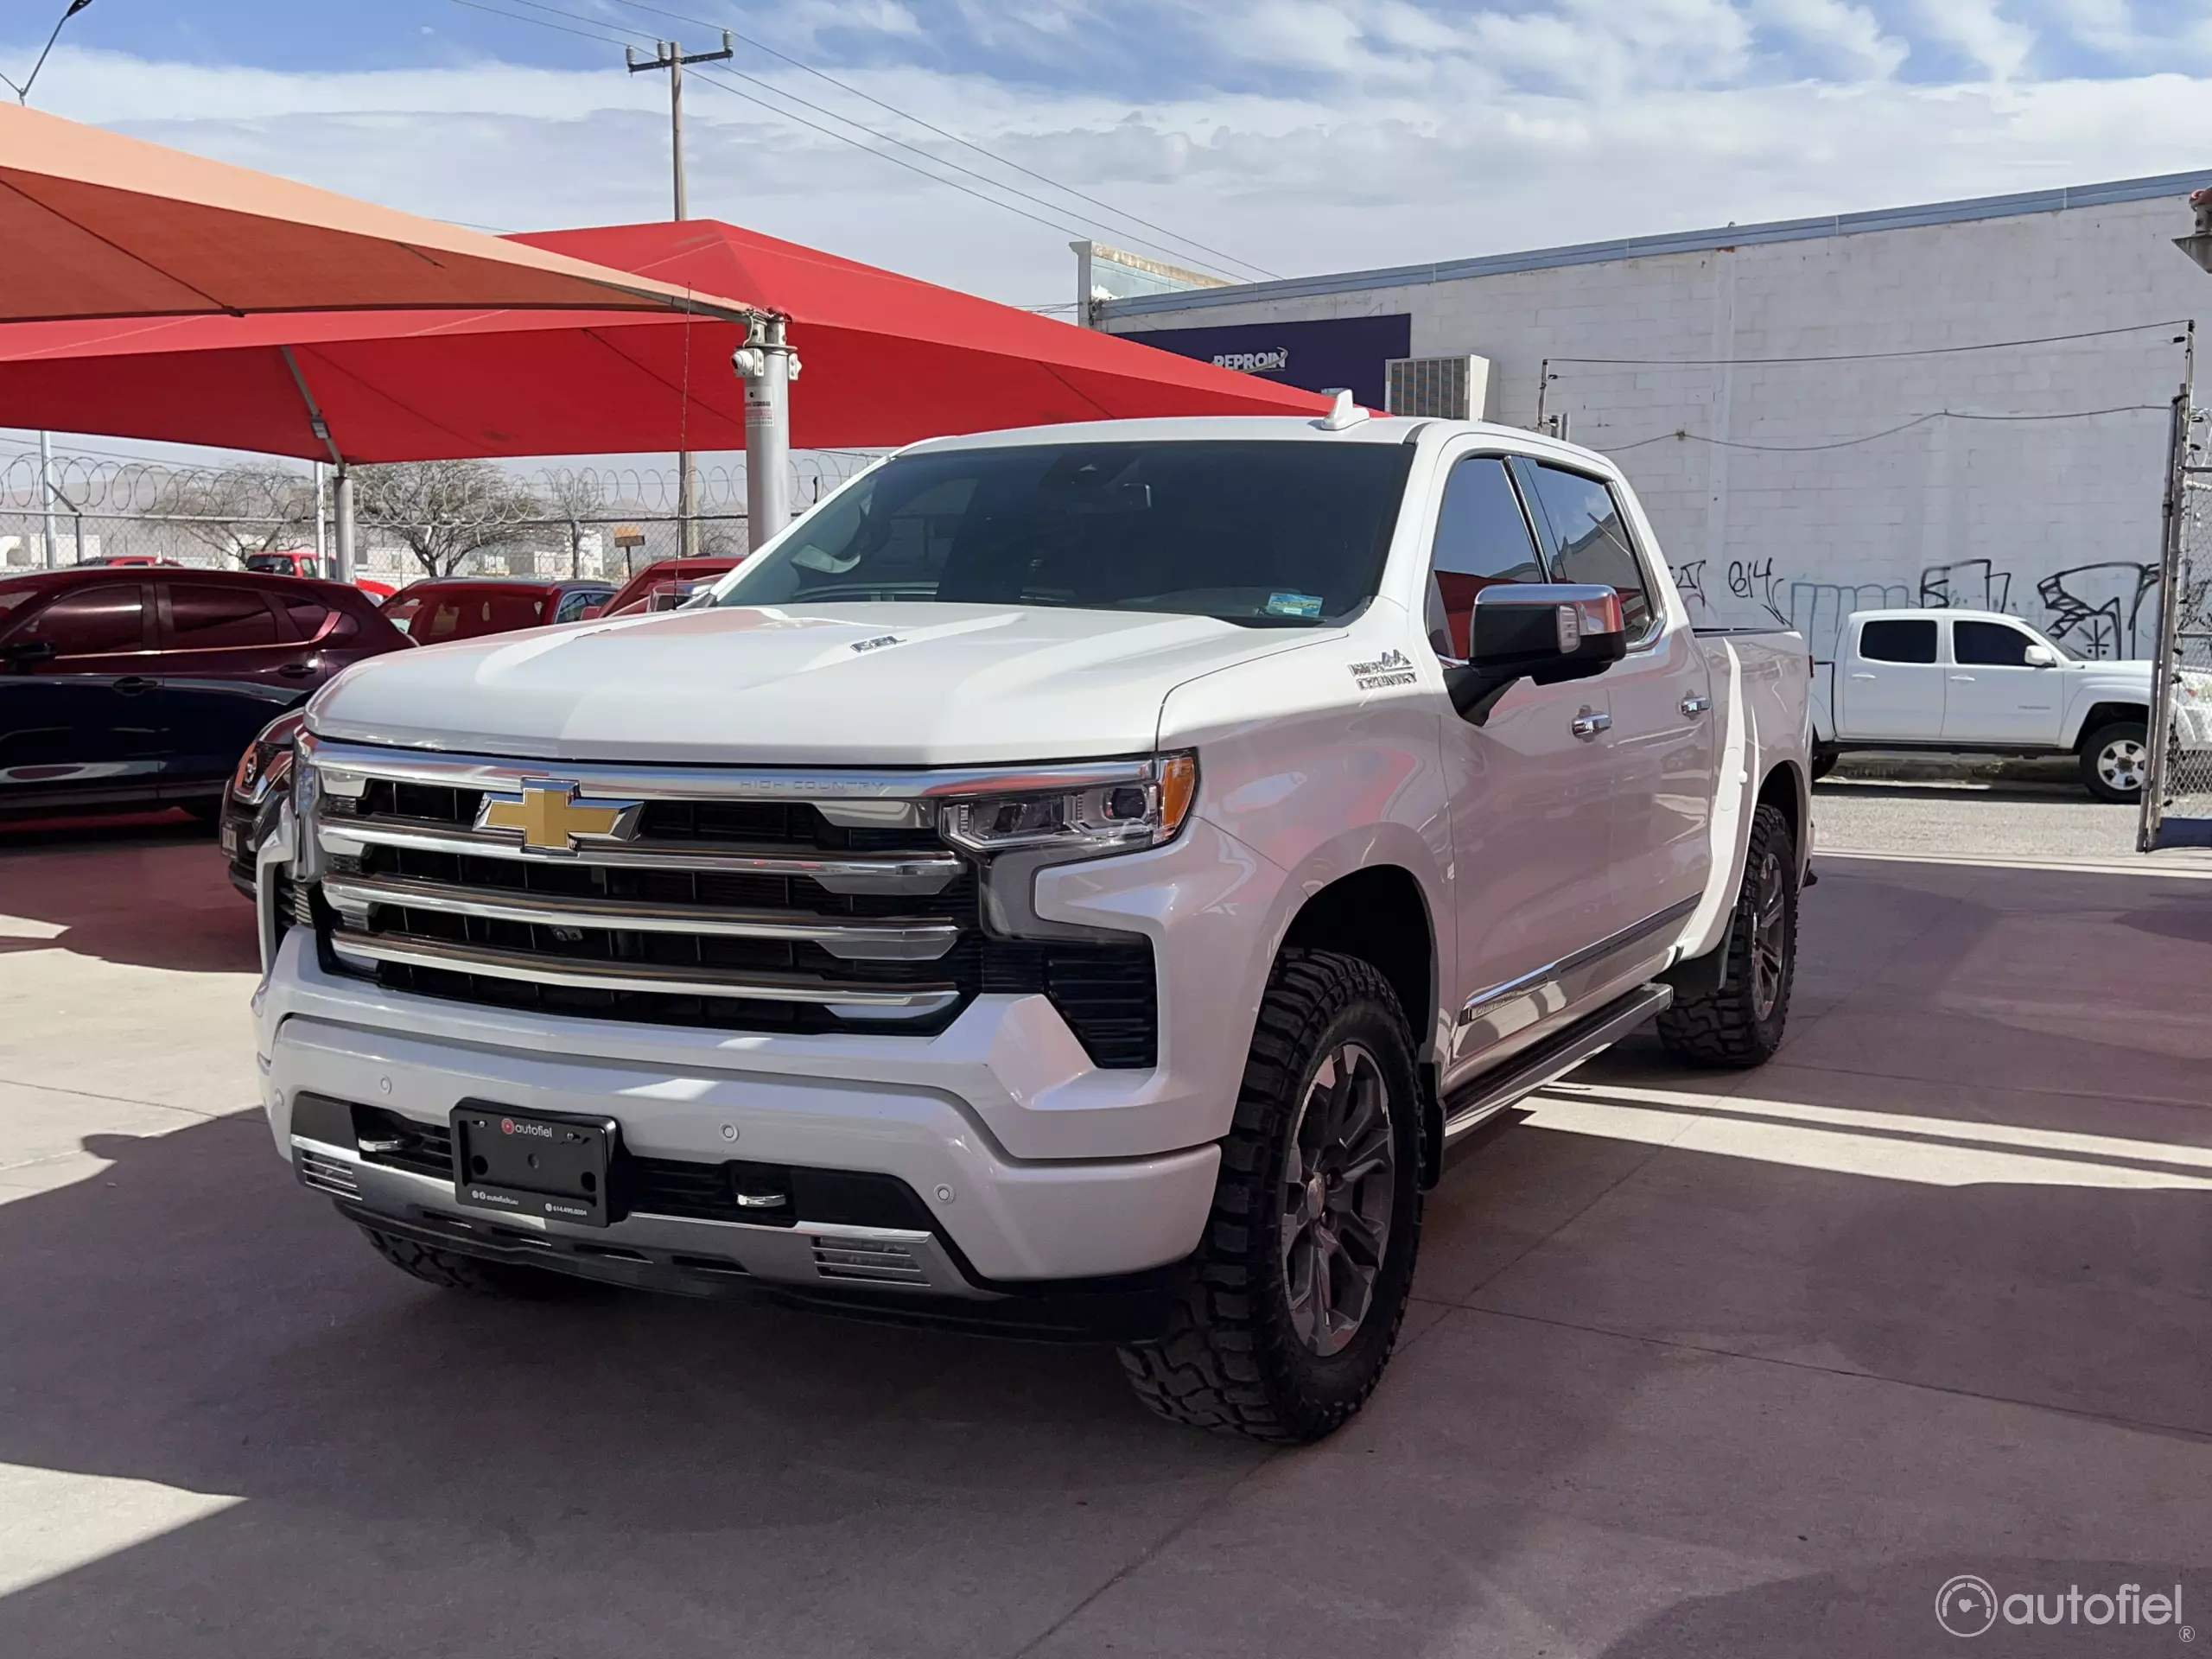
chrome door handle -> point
(1962, 679)
(1586, 726)
(1694, 705)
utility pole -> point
(46, 439)
(671, 56)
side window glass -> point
(1589, 542)
(91, 622)
(307, 615)
(575, 603)
(1989, 644)
(1481, 539)
(208, 618)
(1911, 640)
(445, 621)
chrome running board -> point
(1475, 1102)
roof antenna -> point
(1343, 413)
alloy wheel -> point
(1339, 1183)
(1767, 943)
(2121, 763)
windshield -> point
(1285, 534)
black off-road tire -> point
(2093, 749)
(1230, 1359)
(1728, 1027)
(449, 1270)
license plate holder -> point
(556, 1166)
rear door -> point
(1991, 694)
(1894, 687)
(79, 719)
(1661, 752)
(230, 663)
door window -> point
(1588, 541)
(203, 617)
(1482, 539)
(1905, 641)
(576, 600)
(308, 615)
(92, 622)
(1990, 644)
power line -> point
(967, 144)
(934, 160)
(828, 132)
(1683, 433)
(1858, 357)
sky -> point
(1246, 137)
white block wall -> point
(2055, 520)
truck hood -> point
(908, 685)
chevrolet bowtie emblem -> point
(552, 820)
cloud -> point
(1977, 28)
(1303, 134)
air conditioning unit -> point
(1441, 388)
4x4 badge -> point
(552, 820)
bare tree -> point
(573, 497)
(238, 510)
(446, 510)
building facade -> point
(1965, 404)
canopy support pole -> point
(341, 562)
(341, 558)
(768, 366)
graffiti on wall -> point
(2107, 609)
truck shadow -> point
(146, 901)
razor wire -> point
(615, 518)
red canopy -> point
(97, 224)
(885, 360)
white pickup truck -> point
(1080, 881)
(1981, 682)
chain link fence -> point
(592, 521)
(2178, 793)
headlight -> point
(265, 762)
(1086, 821)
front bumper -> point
(709, 1097)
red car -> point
(461, 607)
(298, 562)
(664, 586)
(143, 686)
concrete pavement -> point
(1741, 1364)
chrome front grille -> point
(744, 899)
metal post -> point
(46, 491)
(321, 542)
(341, 566)
(2163, 673)
(768, 366)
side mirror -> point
(27, 653)
(1545, 632)
(2040, 657)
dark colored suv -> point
(441, 608)
(123, 687)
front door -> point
(1530, 816)
(1991, 694)
(77, 715)
(1893, 683)
(1660, 697)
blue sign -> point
(1338, 351)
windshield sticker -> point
(876, 644)
(1391, 668)
(1294, 604)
